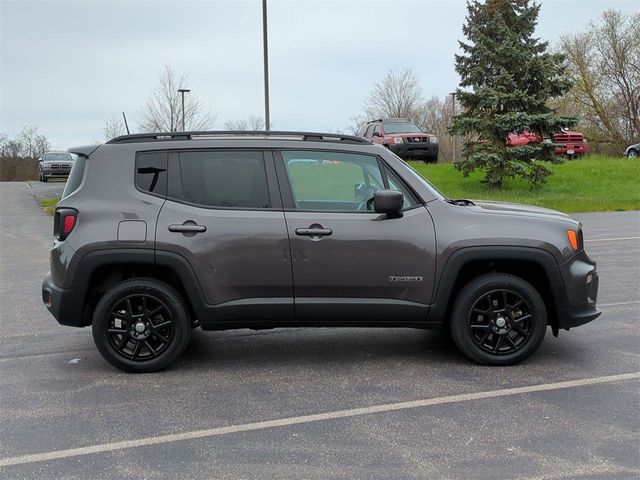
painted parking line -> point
(617, 304)
(616, 239)
(318, 417)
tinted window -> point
(332, 181)
(75, 176)
(221, 179)
(151, 172)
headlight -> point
(398, 140)
(433, 139)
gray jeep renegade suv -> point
(156, 234)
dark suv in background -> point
(158, 233)
(403, 138)
(55, 165)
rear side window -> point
(151, 172)
(228, 179)
(75, 176)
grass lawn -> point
(49, 205)
(590, 184)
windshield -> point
(401, 127)
(57, 157)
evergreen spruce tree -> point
(507, 77)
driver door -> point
(349, 263)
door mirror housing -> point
(376, 134)
(389, 202)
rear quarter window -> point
(75, 176)
(151, 173)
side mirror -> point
(376, 134)
(389, 202)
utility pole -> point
(453, 137)
(183, 91)
(265, 48)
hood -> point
(483, 206)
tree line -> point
(19, 154)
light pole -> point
(265, 49)
(182, 92)
(453, 137)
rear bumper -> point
(578, 149)
(62, 303)
(415, 150)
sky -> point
(68, 66)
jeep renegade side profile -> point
(158, 233)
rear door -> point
(224, 215)
(351, 264)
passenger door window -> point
(221, 179)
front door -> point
(223, 214)
(351, 264)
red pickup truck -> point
(567, 143)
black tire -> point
(147, 302)
(431, 160)
(44, 179)
(632, 153)
(524, 323)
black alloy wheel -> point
(498, 319)
(141, 325)
(501, 322)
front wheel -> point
(141, 325)
(632, 154)
(498, 319)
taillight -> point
(64, 222)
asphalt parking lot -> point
(317, 403)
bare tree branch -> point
(162, 111)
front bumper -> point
(581, 281)
(415, 150)
(62, 303)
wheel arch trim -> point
(444, 294)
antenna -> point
(125, 123)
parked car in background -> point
(632, 151)
(55, 165)
(567, 143)
(403, 138)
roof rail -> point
(221, 134)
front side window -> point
(333, 181)
(369, 131)
(216, 178)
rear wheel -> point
(498, 319)
(141, 325)
(632, 154)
